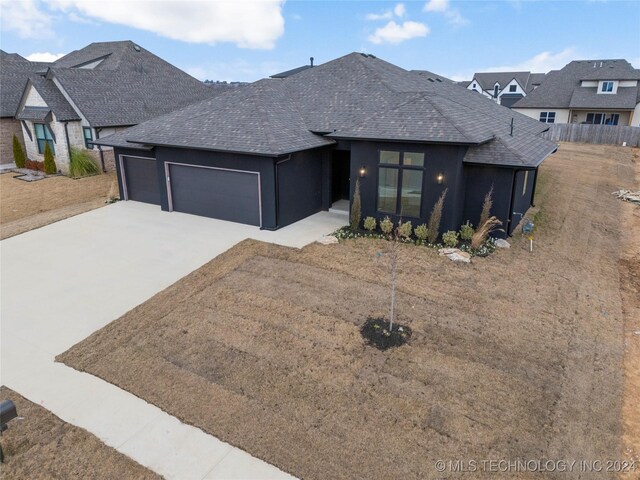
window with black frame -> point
(400, 177)
(43, 136)
(88, 137)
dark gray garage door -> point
(141, 178)
(223, 194)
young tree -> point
(19, 157)
(434, 221)
(356, 208)
(49, 163)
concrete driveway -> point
(62, 282)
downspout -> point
(278, 189)
(66, 134)
(104, 168)
(511, 212)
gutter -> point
(66, 134)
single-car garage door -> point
(140, 179)
(217, 193)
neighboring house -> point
(97, 91)
(14, 71)
(505, 88)
(279, 150)
(605, 92)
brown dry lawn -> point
(30, 205)
(516, 356)
(41, 446)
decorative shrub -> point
(405, 229)
(18, 153)
(486, 207)
(34, 165)
(81, 163)
(370, 224)
(49, 163)
(421, 232)
(386, 226)
(356, 208)
(434, 220)
(450, 238)
(482, 233)
(466, 231)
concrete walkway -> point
(64, 281)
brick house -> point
(97, 91)
(13, 75)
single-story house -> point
(505, 88)
(14, 71)
(97, 91)
(279, 150)
(600, 92)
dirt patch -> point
(515, 356)
(630, 288)
(41, 446)
(29, 205)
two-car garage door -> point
(225, 194)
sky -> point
(245, 40)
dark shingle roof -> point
(129, 97)
(588, 97)
(293, 71)
(6, 57)
(13, 78)
(433, 77)
(487, 80)
(35, 114)
(54, 98)
(356, 96)
(517, 151)
(559, 86)
(257, 119)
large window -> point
(400, 183)
(548, 117)
(43, 136)
(603, 118)
(607, 87)
(88, 137)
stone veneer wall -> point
(8, 128)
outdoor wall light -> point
(440, 178)
(362, 171)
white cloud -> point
(247, 24)
(542, 62)
(395, 33)
(44, 56)
(399, 11)
(452, 15)
(25, 18)
(436, 6)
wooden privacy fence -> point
(601, 134)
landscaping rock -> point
(502, 243)
(448, 251)
(455, 254)
(328, 240)
(460, 257)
